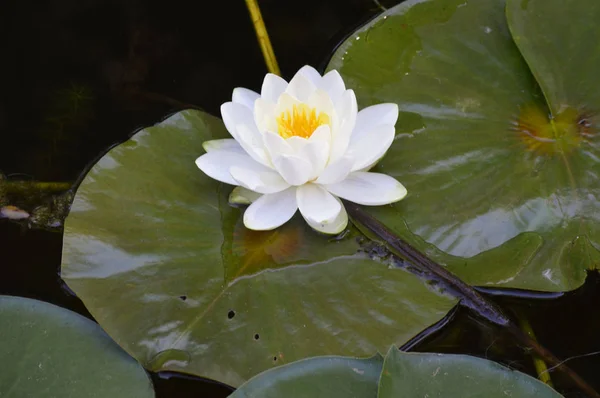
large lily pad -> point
(164, 264)
(326, 376)
(559, 42)
(49, 352)
(497, 192)
(454, 376)
(402, 375)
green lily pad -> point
(497, 192)
(50, 352)
(454, 376)
(164, 264)
(326, 376)
(559, 42)
(400, 375)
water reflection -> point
(96, 259)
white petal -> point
(372, 146)
(321, 134)
(336, 171)
(264, 115)
(226, 144)
(316, 150)
(316, 154)
(320, 100)
(261, 180)
(273, 86)
(334, 85)
(346, 107)
(285, 102)
(245, 97)
(239, 121)
(300, 87)
(346, 112)
(370, 189)
(294, 169)
(251, 140)
(216, 164)
(370, 166)
(276, 145)
(311, 73)
(271, 211)
(336, 226)
(234, 114)
(296, 143)
(373, 116)
(243, 196)
(317, 205)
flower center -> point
(300, 121)
(560, 134)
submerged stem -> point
(21, 186)
(540, 366)
(263, 37)
(382, 8)
(549, 358)
(469, 297)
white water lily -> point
(302, 146)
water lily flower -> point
(302, 146)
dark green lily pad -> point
(496, 192)
(559, 42)
(402, 375)
(326, 376)
(164, 264)
(454, 376)
(51, 352)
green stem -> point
(382, 8)
(263, 37)
(20, 186)
(469, 297)
(539, 364)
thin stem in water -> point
(540, 365)
(382, 8)
(21, 186)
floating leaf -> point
(162, 262)
(325, 376)
(498, 192)
(454, 376)
(53, 352)
(559, 42)
(402, 375)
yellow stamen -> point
(552, 135)
(301, 121)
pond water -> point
(81, 76)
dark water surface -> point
(78, 76)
